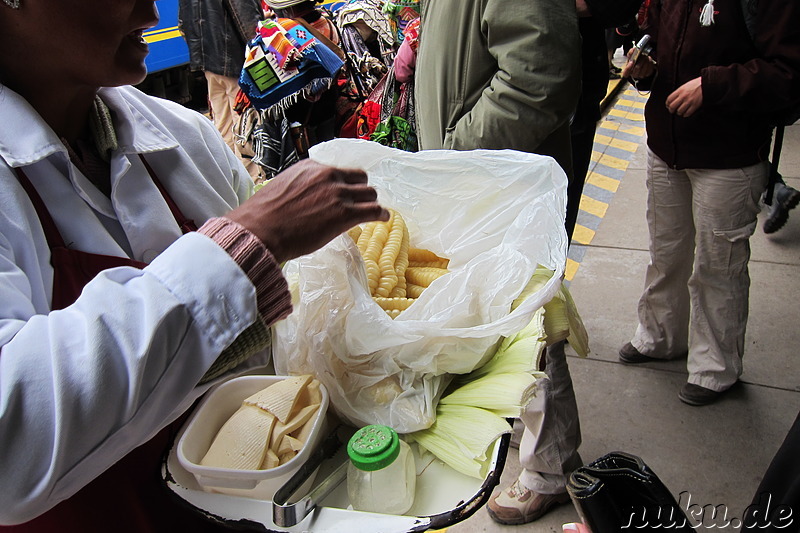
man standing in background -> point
(216, 33)
(505, 74)
(594, 17)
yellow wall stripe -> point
(162, 35)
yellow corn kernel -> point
(389, 253)
(419, 257)
(393, 313)
(424, 276)
(401, 264)
(366, 234)
(373, 275)
(376, 242)
(394, 303)
(420, 254)
(413, 291)
(439, 263)
(354, 233)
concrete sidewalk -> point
(716, 454)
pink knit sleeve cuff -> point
(272, 291)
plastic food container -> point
(381, 475)
(215, 409)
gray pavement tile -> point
(773, 338)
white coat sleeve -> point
(81, 387)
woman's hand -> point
(643, 67)
(306, 206)
(686, 99)
(582, 8)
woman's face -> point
(93, 43)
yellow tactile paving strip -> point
(618, 137)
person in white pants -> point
(717, 85)
(695, 265)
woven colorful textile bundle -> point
(284, 63)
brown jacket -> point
(744, 83)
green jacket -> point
(498, 74)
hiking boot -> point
(784, 199)
(519, 505)
(630, 355)
(696, 395)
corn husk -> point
(516, 353)
(503, 394)
(462, 436)
(472, 415)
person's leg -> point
(221, 110)
(663, 330)
(777, 499)
(726, 204)
(548, 451)
(222, 91)
(582, 143)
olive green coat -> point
(498, 74)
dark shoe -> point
(519, 505)
(784, 199)
(613, 75)
(696, 395)
(630, 355)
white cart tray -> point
(444, 497)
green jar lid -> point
(373, 447)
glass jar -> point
(381, 476)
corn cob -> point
(424, 276)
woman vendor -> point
(116, 316)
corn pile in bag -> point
(494, 214)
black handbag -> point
(620, 492)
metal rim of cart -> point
(331, 513)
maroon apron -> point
(130, 496)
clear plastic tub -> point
(381, 476)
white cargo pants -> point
(548, 451)
(697, 283)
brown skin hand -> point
(306, 206)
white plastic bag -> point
(494, 214)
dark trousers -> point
(776, 504)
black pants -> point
(776, 504)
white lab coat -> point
(81, 387)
